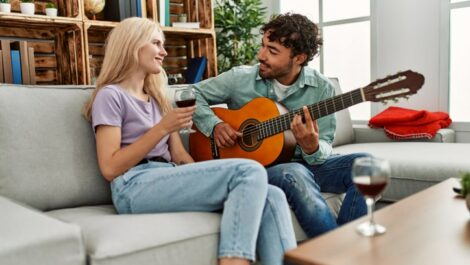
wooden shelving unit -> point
(69, 49)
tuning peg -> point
(407, 97)
(385, 101)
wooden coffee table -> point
(430, 227)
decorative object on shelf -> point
(27, 7)
(465, 183)
(186, 25)
(5, 6)
(234, 23)
(51, 10)
(182, 18)
(93, 7)
(175, 79)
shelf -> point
(18, 19)
(188, 33)
(100, 24)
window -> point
(459, 61)
(346, 51)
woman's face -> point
(152, 53)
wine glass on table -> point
(185, 97)
(370, 175)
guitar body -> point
(269, 151)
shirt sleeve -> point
(106, 109)
(209, 92)
(327, 128)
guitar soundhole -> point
(249, 141)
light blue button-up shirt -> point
(240, 85)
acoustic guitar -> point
(265, 124)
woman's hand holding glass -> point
(178, 118)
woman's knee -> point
(252, 172)
(276, 195)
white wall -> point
(272, 7)
(407, 37)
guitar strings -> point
(281, 121)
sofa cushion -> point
(164, 238)
(423, 165)
(48, 157)
(169, 238)
(30, 237)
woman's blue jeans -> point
(303, 184)
(255, 215)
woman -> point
(137, 143)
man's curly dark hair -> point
(295, 31)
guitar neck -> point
(320, 109)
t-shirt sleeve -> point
(106, 109)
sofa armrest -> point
(28, 236)
(365, 134)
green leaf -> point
(235, 21)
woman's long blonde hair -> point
(121, 58)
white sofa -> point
(56, 207)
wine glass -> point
(185, 97)
(370, 175)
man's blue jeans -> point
(303, 184)
(255, 214)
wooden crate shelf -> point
(69, 48)
(58, 51)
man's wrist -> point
(310, 151)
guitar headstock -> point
(394, 86)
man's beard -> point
(275, 74)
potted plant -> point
(51, 9)
(465, 183)
(235, 20)
(27, 7)
(5, 6)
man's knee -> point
(293, 178)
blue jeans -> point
(303, 184)
(255, 214)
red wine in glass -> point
(370, 187)
(185, 103)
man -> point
(289, 42)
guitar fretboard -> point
(320, 109)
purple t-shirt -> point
(116, 107)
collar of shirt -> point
(307, 77)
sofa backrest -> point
(344, 129)
(47, 150)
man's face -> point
(275, 60)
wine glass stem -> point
(370, 209)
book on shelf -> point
(117, 10)
(141, 8)
(16, 66)
(187, 25)
(164, 12)
(195, 70)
